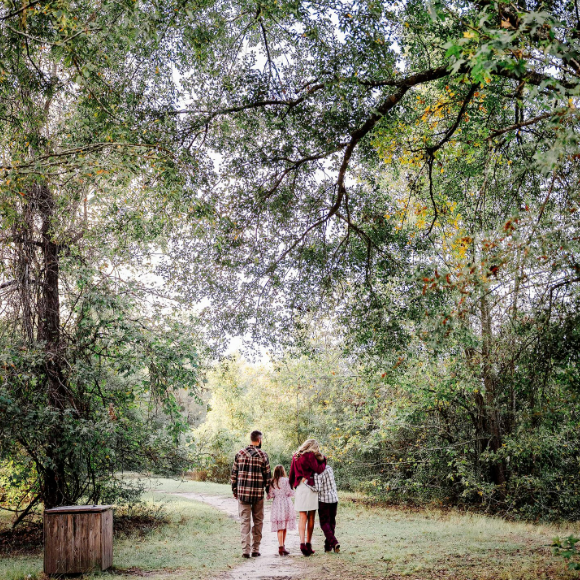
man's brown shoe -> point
(245, 555)
(256, 554)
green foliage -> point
(567, 549)
(124, 371)
(242, 398)
(404, 437)
(91, 357)
(404, 174)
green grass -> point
(197, 543)
(21, 568)
(378, 542)
(18, 567)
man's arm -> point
(266, 473)
(234, 478)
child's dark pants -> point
(327, 515)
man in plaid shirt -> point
(325, 485)
(250, 475)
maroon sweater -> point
(305, 466)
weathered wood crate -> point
(78, 539)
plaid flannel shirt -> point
(250, 474)
(325, 485)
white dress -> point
(305, 500)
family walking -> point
(310, 482)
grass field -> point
(199, 542)
(392, 543)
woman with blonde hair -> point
(307, 461)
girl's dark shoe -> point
(327, 547)
(337, 548)
(304, 550)
(282, 551)
(309, 548)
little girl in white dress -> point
(283, 515)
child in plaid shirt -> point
(325, 485)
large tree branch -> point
(525, 124)
(434, 148)
(8, 284)
(252, 105)
(26, 511)
(78, 151)
(435, 72)
(17, 12)
(295, 165)
(355, 138)
(388, 104)
(530, 77)
(536, 79)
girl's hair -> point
(310, 446)
(279, 472)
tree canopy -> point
(317, 117)
(401, 174)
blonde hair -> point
(310, 446)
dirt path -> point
(269, 566)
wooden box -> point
(78, 539)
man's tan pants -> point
(251, 536)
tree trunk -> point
(54, 492)
(489, 381)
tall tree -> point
(85, 196)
